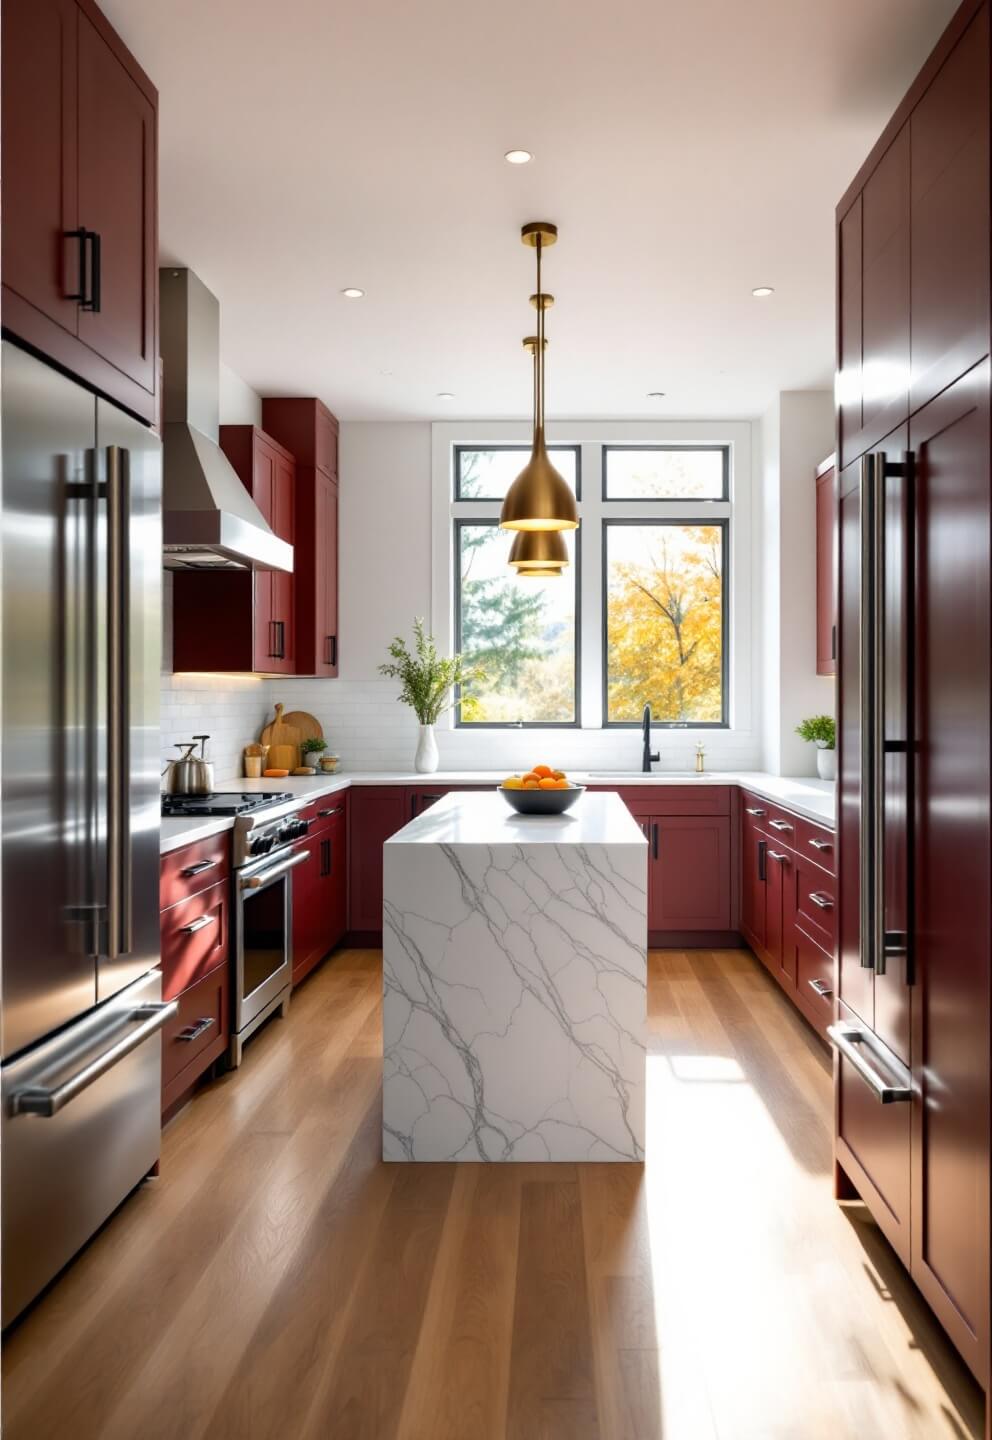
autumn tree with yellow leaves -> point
(665, 628)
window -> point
(665, 622)
(655, 608)
(666, 472)
(487, 474)
(522, 632)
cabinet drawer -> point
(194, 938)
(328, 810)
(675, 799)
(193, 868)
(779, 823)
(816, 908)
(814, 980)
(816, 843)
(196, 1035)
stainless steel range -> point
(267, 831)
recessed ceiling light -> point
(445, 395)
(518, 157)
(352, 293)
(656, 394)
(761, 292)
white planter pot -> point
(826, 764)
(427, 758)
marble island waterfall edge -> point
(514, 1000)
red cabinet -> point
(950, 216)
(79, 166)
(754, 877)
(240, 619)
(376, 812)
(690, 860)
(826, 570)
(918, 996)
(307, 429)
(320, 885)
(195, 891)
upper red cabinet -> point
(950, 205)
(80, 250)
(310, 431)
(912, 240)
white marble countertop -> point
(596, 818)
(812, 798)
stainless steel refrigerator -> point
(80, 588)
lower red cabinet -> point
(376, 812)
(320, 896)
(197, 1035)
(689, 868)
(195, 938)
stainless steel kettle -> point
(190, 774)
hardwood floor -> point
(277, 1280)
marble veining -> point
(514, 980)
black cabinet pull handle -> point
(331, 650)
(833, 642)
(762, 859)
(80, 236)
(325, 857)
(200, 866)
(281, 634)
(96, 274)
(322, 814)
(654, 839)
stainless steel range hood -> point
(209, 519)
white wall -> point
(239, 403)
(796, 434)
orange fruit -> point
(531, 775)
(512, 782)
(559, 774)
(562, 784)
(531, 785)
(543, 772)
(548, 782)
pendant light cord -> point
(539, 407)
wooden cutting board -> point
(308, 726)
(283, 741)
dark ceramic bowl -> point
(542, 802)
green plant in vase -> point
(821, 731)
(428, 684)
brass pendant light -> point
(539, 499)
(537, 553)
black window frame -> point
(524, 448)
(722, 499)
(459, 522)
(723, 524)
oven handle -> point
(255, 882)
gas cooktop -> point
(221, 804)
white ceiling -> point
(688, 150)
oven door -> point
(265, 929)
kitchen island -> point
(514, 983)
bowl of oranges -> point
(541, 791)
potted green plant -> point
(312, 748)
(428, 682)
(821, 731)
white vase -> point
(826, 764)
(427, 758)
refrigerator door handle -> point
(119, 877)
(48, 1101)
(872, 678)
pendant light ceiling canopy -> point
(539, 499)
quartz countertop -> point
(807, 796)
(597, 818)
